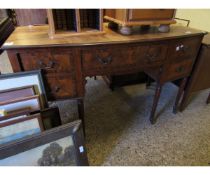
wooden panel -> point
(120, 58)
(60, 86)
(200, 79)
(26, 17)
(121, 14)
(37, 36)
(109, 12)
(150, 14)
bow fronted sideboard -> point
(67, 61)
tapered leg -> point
(81, 111)
(184, 100)
(148, 83)
(208, 99)
(153, 118)
(179, 94)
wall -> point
(199, 18)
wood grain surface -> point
(37, 36)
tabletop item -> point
(70, 22)
(127, 18)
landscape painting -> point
(57, 153)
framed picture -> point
(32, 103)
(28, 78)
(16, 93)
(16, 127)
(60, 146)
(50, 117)
(19, 127)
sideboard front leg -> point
(81, 111)
(153, 118)
(179, 94)
(208, 99)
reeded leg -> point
(179, 94)
(81, 111)
(208, 99)
(153, 118)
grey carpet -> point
(119, 132)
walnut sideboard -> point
(67, 61)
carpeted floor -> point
(119, 131)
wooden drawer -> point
(178, 70)
(121, 58)
(60, 86)
(50, 60)
(182, 49)
(150, 14)
(181, 57)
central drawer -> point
(115, 58)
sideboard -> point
(67, 61)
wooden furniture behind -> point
(6, 26)
(137, 17)
(71, 22)
(199, 79)
(67, 61)
(25, 17)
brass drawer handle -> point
(180, 69)
(104, 61)
(151, 57)
(50, 65)
(56, 89)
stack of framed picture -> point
(59, 146)
(25, 119)
(23, 106)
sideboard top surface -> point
(37, 36)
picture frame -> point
(46, 119)
(50, 117)
(26, 78)
(16, 93)
(32, 103)
(60, 146)
(19, 127)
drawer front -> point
(181, 57)
(50, 60)
(60, 86)
(152, 14)
(121, 58)
(178, 70)
(182, 49)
